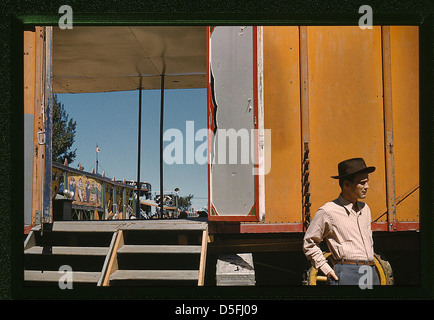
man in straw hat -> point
(345, 224)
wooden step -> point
(160, 249)
(155, 275)
(79, 251)
(54, 276)
(113, 226)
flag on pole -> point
(97, 149)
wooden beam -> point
(107, 259)
(76, 251)
(155, 275)
(115, 225)
(47, 214)
(113, 262)
(54, 276)
(160, 249)
(201, 279)
(38, 127)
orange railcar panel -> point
(29, 71)
(405, 105)
(282, 117)
(345, 109)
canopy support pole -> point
(139, 145)
(161, 145)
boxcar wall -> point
(332, 93)
(325, 93)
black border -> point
(18, 14)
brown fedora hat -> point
(350, 166)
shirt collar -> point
(349, 205)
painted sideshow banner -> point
(87, 191)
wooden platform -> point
(120, 251)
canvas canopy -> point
(115, 58)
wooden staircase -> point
(118, 253)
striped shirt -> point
(347, 232)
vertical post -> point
(139, 145)
(305, 129)
(161, 145)
(47, 212)
(262, 143)
(29, 121)
(124, 198)
(103, 201)
(388, 128)
(39, 126)
(115, 204)
(65, 181)
(96, 151)
(202, 262)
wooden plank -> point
(47, 213)
(39, 150)
(113, 226)
(107, 259)
(159, 249)
(154, 275)
(78, 226)
(164, 225)
(79, 251)
(54, 276)
(203, 258)
(113, 263)
(29, 117)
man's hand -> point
(333, 275)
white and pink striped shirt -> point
(347, 232)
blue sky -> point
(111, 121)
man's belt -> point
(357, 262)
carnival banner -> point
(87, 191)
